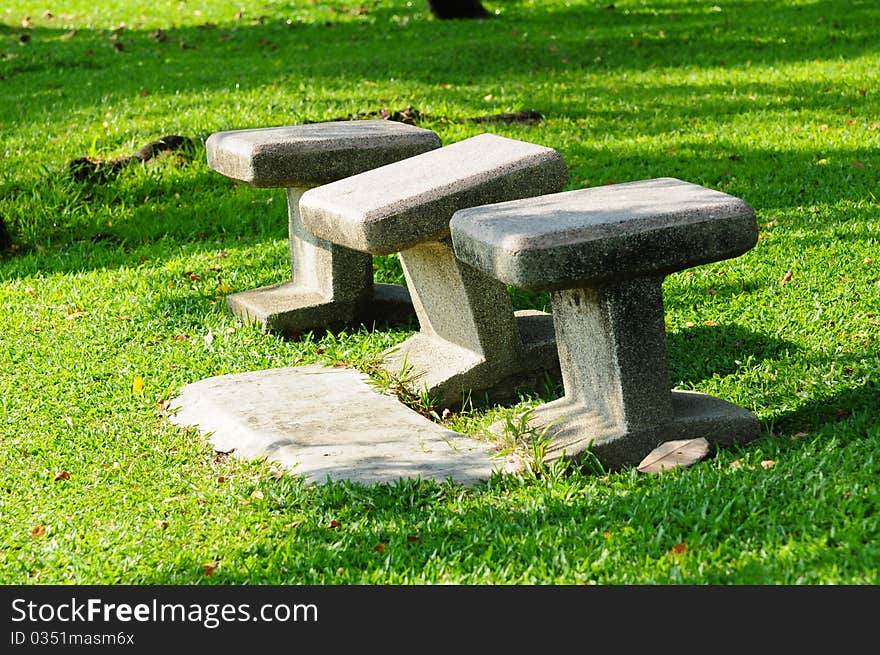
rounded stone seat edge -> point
(313, 154)
(403, 222)
(554, 257)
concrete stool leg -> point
(618, 400)
(612, 352)
(329, 285)
(470, 337)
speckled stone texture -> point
(331, 285)
(603, 254)
(470, 344)
(329, 424)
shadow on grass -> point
(399, 42)
(738, 522)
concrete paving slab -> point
(328, 424)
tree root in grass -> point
(411, 116)
(88, 168)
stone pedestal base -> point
(573, 429)
(451, 375)
(290, 310)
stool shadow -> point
(702, 352)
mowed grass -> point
(112, 295)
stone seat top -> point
(313, 154)
(397, 206)
(603, 234)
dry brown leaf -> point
(767, 463)
(38, 531)
(293, 525)
(334, 524)
(256, 493)
(209, 567)
(786, 278)
(62, 475)
(380, 548)
(161, 524)
(679, 549)
(672, 454)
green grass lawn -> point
(111, 284)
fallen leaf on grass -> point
(334, 524)
(209, 567)
(163, 407)
(293, 525)
(161, 524)
(73, 313)
(137, 385)
(380, 548)
(62, 475)
(767, 463)
(256, 493)
(38, 531)
(786, 278)
(671, 454)
(678, 549)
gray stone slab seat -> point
(330, 285)
(470, 339)
(603, 254)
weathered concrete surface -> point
(470, 342)
(589, 236)
(398, 206)
(603, 254)
(331, 286)
(328, 424)
(313, 154)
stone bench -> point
(470, 339)
(330, 285)
(603, 253)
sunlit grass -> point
(777, 103)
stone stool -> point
(603, 254)
(330, 285)
(470, 339)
